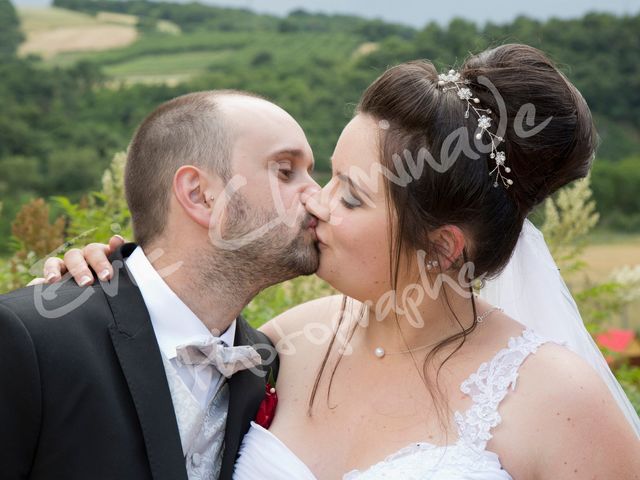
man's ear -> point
(196, 190)
(449, 242)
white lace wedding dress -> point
(264, 456)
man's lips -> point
(312, 223)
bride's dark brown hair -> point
(421, 115)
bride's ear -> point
(449, 242)
(196, 191)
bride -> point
(409, 373)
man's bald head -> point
(191, 129)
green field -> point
(35, 19)
(167, 67)
(51, 31)
(169, 56)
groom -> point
(155, 375)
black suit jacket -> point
(85, 395)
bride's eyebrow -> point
(345, 178)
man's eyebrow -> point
(291, 152)
(347, 179)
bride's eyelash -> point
(351, 203)
(346, 204)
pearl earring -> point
(431, 264)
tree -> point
(10, 34)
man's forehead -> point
(244, 110)
(260, 124)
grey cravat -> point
(213, 351)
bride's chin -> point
(340, 282)
(324, 271)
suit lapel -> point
(139, 355)
(246, 391)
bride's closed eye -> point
(351, 198)
(350, 201)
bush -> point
(629, 378)
(569, 218)
(615, 187)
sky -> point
(418, 13)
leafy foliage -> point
(569, 218)
(34, 237)
(10, 34)
(617, 188)
(59, 131)
(62, 120)
(101, 214)
(629, 378)
(279, 298)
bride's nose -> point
(312, 200)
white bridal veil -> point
(532, 291)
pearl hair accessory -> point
(484, 122)
(380, 352)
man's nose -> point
(312, 201)
(309, 191)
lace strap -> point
(489, 385)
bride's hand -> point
(77, 263)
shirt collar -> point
(174, 323)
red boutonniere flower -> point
(267, 408)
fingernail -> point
(50, 277)
(84, 281)
(104, 275)
(120, 237)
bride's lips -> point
(319, 239)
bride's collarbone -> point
(383, 406)
(358, 442)
(360, 428)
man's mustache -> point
(309, 221)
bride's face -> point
(353, 227)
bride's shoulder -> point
(556, 375)
(566, 410)
(555, 369)
(559, 391)
(321, 313)
(569, 415)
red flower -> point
(267, 409)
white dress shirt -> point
(175, 324)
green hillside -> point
(65, 114)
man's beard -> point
(280, 254)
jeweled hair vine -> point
(452, 80)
